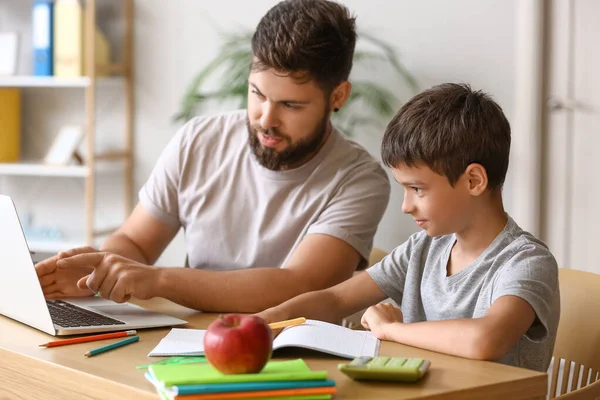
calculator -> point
(386, 368)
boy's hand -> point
(271, 315)
(378, 316)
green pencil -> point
(111, 346)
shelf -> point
(51, 82)
(32, 169)
(51, 247)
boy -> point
(472, 283)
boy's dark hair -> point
(313, 38)
(447, 128)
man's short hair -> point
(447, 128)
(308, 39)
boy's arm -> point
(332, 304)
(486, 338)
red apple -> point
(238, 344)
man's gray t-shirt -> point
(237, 214)
(515, 263)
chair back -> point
(376, 255)
(578, 337)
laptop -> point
(21, 296)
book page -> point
(180, 342)
(328, 338)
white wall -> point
(463, 40)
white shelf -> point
(51, 81)
(51, 247)
(33, 169)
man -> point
(274, 201)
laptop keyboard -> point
(69, 315)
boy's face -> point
(287, 120)
(436, 206)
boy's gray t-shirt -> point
(237, 214)
(515, 263)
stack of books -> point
(290, 379)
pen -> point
(112, 346)
(85, 339)
(289, 322)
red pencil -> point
(85, 339)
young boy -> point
(472, 283)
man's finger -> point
(82, 282)
(107, 286)
(96, 279)
(50, 289)
(47, 280)
(118, 293)
(54, 295)
(46, 267)
(81, 260)
(76, 251)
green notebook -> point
(190, 374)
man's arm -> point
(142, 237)
(486, 338)
(320, 261)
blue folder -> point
(43, 38)
(248, 386)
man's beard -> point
(293, 154)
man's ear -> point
(340, 95)
(477, 178)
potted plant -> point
(370, 102)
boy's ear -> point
(477, 178)
(340, 95)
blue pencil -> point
(111, 346)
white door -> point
(571, 189)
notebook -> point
(196, 374)
(314, 335)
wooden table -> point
(30, 372)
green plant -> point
(370, 103)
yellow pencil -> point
(289, 322)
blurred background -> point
(536, 58)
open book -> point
(314, 335)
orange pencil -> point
(287, 322)
(260, 394)
(85, 339)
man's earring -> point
(336, 109)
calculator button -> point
(360, 361)
(414, 363)
(378, 362)
(396, 362)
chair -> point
(376, 255)
(578, 337)
(353, 321)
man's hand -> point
(58, 282)
(377, 317)
(112, 276)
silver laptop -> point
(21, 296)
